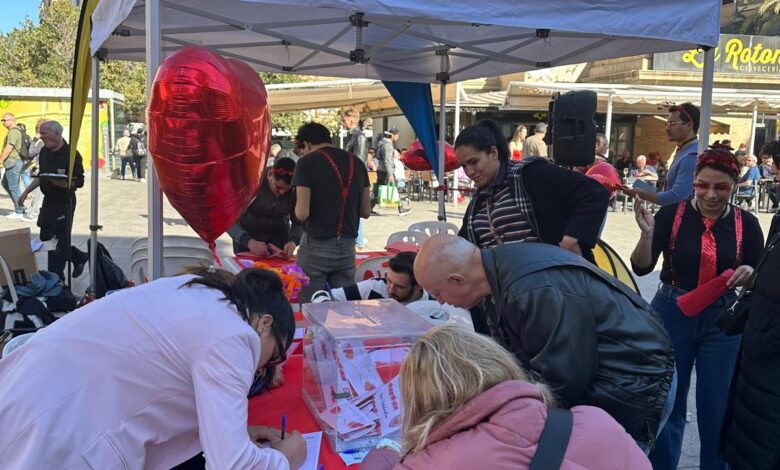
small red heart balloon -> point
(210, 136)
(605, 174)
(414, 158)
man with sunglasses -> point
(682, 126)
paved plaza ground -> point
(123, 214)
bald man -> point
(590, 338)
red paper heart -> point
(414, 158)
(210, 137)
(605, 174)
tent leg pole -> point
(608, 126)
(752, 145)
(94, 174)
(155, 228)
(455, 131)
(442, 130)
(706, 99)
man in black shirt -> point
(54, 219)
(333, 193)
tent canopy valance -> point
(649, 99)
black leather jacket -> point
(589, 337)
(357, 144)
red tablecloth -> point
(268, 408)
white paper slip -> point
(313, 441)
(351, 457)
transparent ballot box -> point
(352, 352)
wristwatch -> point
(386, 443)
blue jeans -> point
(330, 261)
(359, 241)
(696, 341)
(10, 183)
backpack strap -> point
(554, 440)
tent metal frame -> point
(395, 27)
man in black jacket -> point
(58, 198)
(590, 338)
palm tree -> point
(756, 18)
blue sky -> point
(14, 11)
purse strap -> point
(752, 279)
(554, 440)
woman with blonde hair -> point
(516, 144)
(468, 404)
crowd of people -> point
(568, 367)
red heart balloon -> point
(605, 174)
(414, 158)
(210, 136)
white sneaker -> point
(14, 215)
(142, 180)
(30, 219)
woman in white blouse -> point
(150, 376)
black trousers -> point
(57, 226)
(140, 166)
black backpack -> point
(24, 150)
(108, 276)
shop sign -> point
(758, 55)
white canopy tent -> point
(402, 40)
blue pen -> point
(321, 467)
(284, 424)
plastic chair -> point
(176, 251)
(172, 266)
(16, 343)
(373, 267)
(434, 227)
(407, 236)
(171, 240)
(753, 196)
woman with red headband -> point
(700, 239)
(268, 226)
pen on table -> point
(284, 424)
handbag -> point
(732, 319)
(388, 196)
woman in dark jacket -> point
(269, 225)
(751, 429)
(532, 200)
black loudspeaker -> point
(572, 128)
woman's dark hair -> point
(283, 170)
(314, 133)
(254, 292)
(719, 157)
(482, 136)
(403, 263)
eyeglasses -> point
(671, 123)
(281, 355)
(4, 120)
(719, 187)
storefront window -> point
(622, 138)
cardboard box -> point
(15, 248)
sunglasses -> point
(281, 355)
(719, 187)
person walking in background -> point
(138, 151)
(516, 144)
(700, 239)
(385, 168)
(332, 192)
(126, 153)
(357, 145)
(468, 404)
(13, 164)
(535, 146)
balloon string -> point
(213, 247)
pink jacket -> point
(500, 429)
